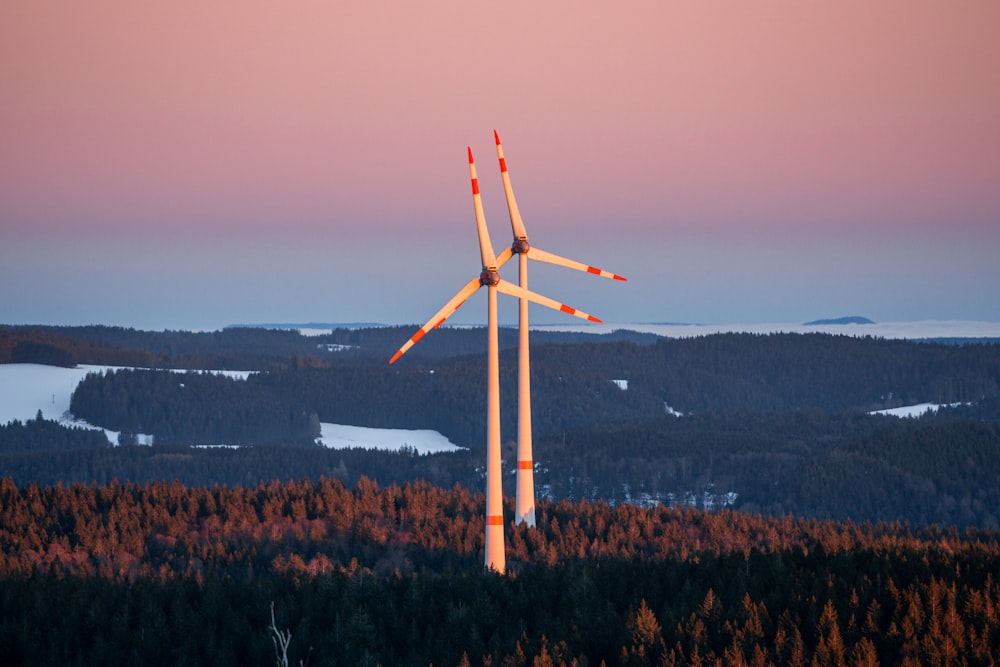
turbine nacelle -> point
(525, 501)
(489, 277)
(520, 246)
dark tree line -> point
(33, 352)
(128, 573)
(252, 348)
(936, 469)
(573, 384)
(193, 408)
(245, 466)
(230, 349)
(40, 434)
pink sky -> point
(172, 165)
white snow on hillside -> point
(337, 436)
(911, 410)
(335, 347)
(27, 388)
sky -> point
(190, 165)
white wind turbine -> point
(495, 553)
(525, 500)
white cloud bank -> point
(911, 330)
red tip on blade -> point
(594, 319)
(497, 137)
(470, 155)
(618, 277)
(396, 356)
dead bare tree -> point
(280, 640)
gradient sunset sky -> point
(175, 165)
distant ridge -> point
(306, 325)
(850, 319)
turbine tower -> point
(495, 553)
(525, 500)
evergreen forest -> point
(723, 500)
(775, 424)
(162, 573)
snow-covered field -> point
(27, 388)
(911, 410)
(338, 436)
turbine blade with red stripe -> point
(520, 232)
(551, 258)
(440, 316)
(485, 246)
(514, 290)
(516, 223)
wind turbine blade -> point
(504, 256)
(485, 246)
(551, 258)
(514, 290)
(439, 317)
(516, 223)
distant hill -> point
(850, 319)
(306, 325)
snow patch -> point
(335, 347)
(338, 436)
(622, 384)
(913, 410)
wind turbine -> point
(489, 278)
(525, 501)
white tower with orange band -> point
(495, 558)
(525, 501)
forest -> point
(771, 424)
(936, 469)
(724, 500)
(160, 573)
